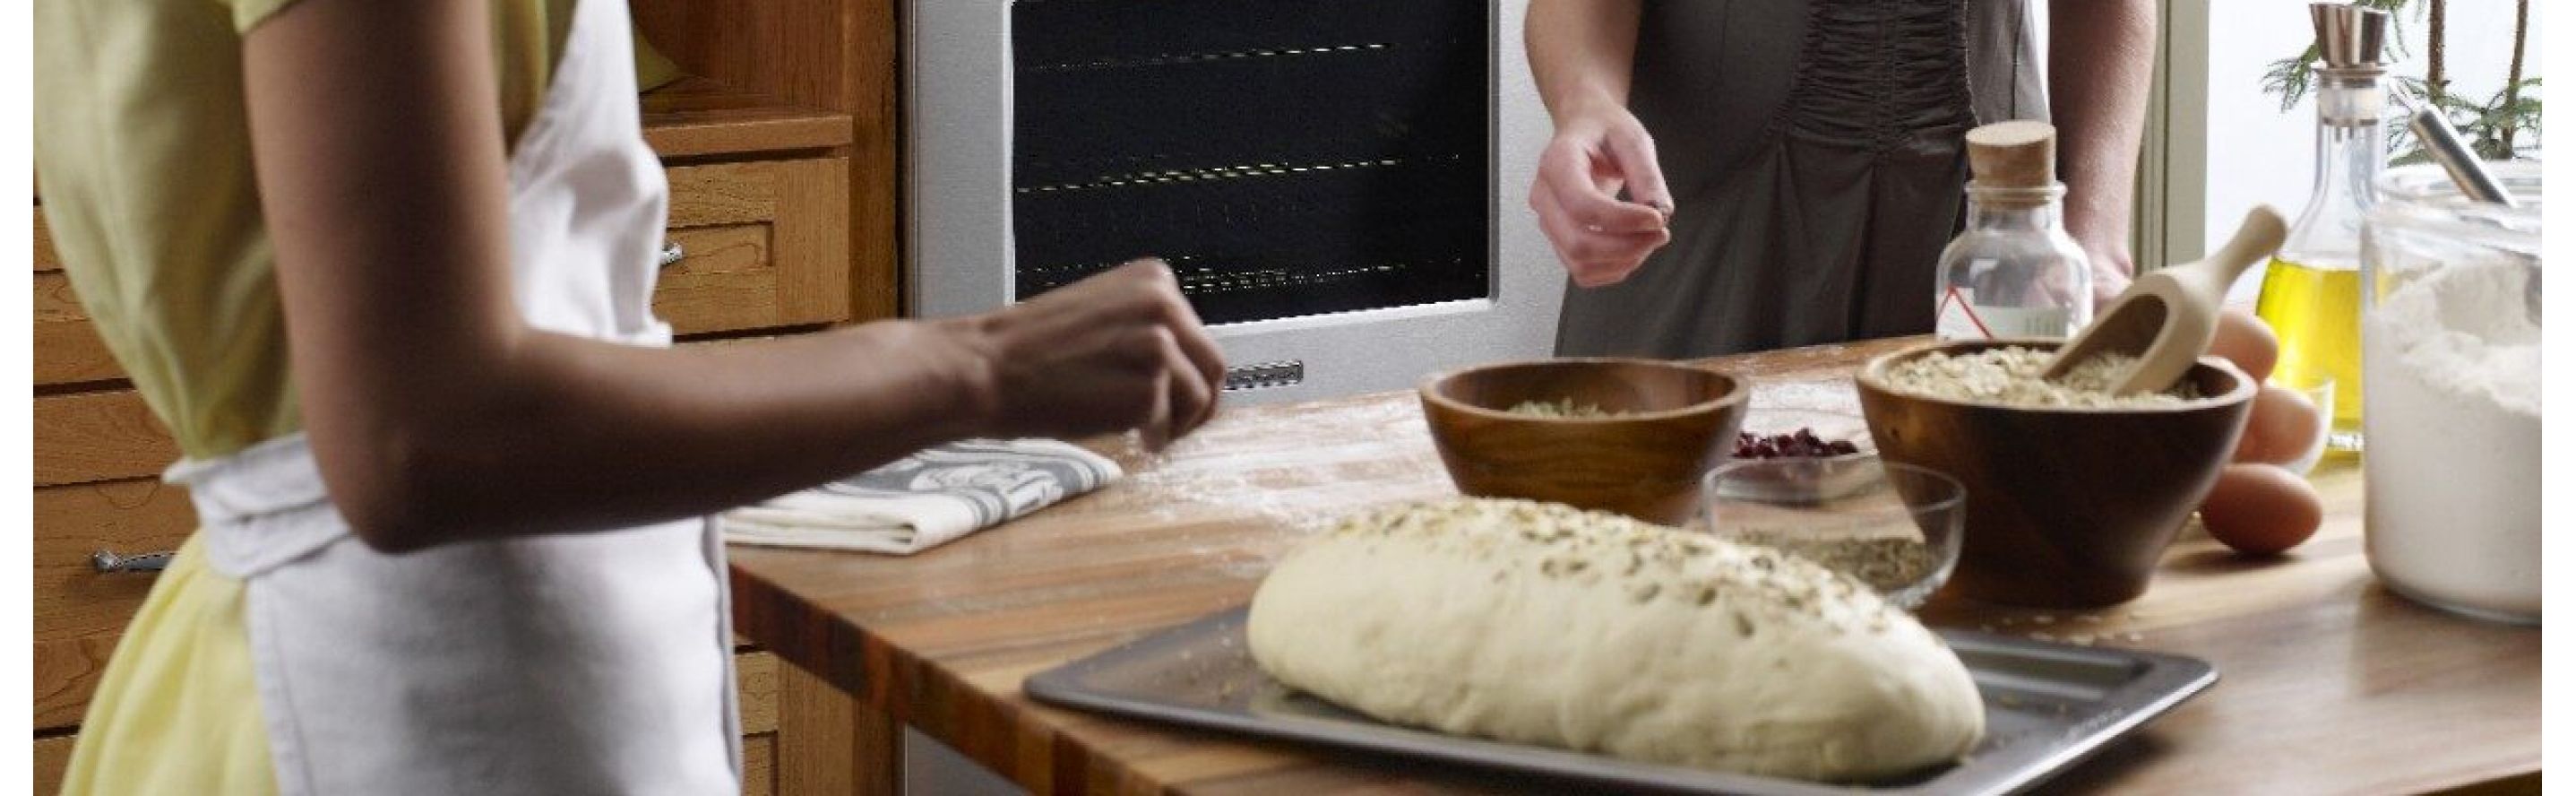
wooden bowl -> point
(2067, 508)
(1673, 421)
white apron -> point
(569, 664)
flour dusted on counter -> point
(1337, 455)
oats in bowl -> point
(2010, 376)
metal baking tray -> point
(2048, 706)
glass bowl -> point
(1893, 527)
(1831, 476)
(2320, 391)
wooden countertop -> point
(2328, 682)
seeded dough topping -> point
(1651, 562)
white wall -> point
(2257, 153)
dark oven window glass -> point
(1288, 157)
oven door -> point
(1339, 184)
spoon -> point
(2442, 142)
(2167, 317)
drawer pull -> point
(108, 561)
(671, 254)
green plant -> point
(2495, 125)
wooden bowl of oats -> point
(2072, 495)
(1630, 436)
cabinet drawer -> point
(52, 756)
(760, 765)
(98, 436)
(766, 244)
(79, 611)
(67, 348)
(46, 259)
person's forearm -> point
(603, 435)
(2102, 57)
(1581, 51)
(614, 437)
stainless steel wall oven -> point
(1338, 183)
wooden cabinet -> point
(763, 244)
(80, 610)
(776, 81)
(780, 150)
(67, 350)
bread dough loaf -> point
(1540, 623)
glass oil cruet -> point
(2312, 289)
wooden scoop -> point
(2167, 317)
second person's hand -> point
(1118, 351)
(1598, 151)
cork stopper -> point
(2014, 154)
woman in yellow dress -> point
(384, 270)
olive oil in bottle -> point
(2316, 311)
(2312, 289)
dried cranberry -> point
(1802, 443)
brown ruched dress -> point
(1814, 152)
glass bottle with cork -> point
(2312, 289)
(2013, 272)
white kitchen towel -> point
(926, 499)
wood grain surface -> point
(699, 117)
(766, 244)
(53, 755)
(2328, 682)
(46, 259)
(760, 765)
(838, 743)
(98, 436)
(67, 347)
(80, 611)
(873, 96)
(765, 75)
(730, 193)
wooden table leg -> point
(832, 745)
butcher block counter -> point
(2328, 683)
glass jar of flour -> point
(2451, 371)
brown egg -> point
(2246, 341)
(2259, 509)
(2280, 427)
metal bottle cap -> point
(2350, 36)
